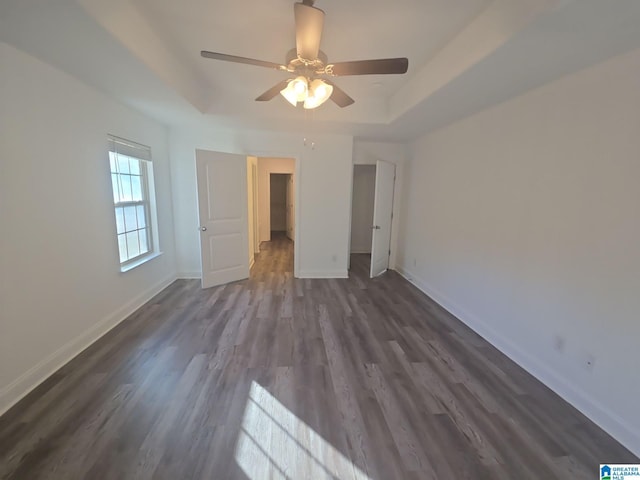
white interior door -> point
(382, 211)
(222, 208)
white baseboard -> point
(33, 377)
(189, 275)
(323, 274)
(600, 415)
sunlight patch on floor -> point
(274, 443)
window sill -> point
(140, 261)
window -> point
(130, 172)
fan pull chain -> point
(308, 122)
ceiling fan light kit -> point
(311, 67)
(296, 90)
(320, 93)
(312, 93)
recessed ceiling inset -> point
(310, 67)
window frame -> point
(142, 154)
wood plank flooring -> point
(276, 377)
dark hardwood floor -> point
(276, 377)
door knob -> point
(375, 227)
(203, 229)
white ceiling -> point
(464, 55)
(353, 30)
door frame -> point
(297, 172)
(277, 171)
(397, 192)
(291, 184)
(269, 173)
(255, 246)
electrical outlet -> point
(558, 343)
(334, 258)
(415, 262)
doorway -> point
(281, 205)
(364, 184)
(276, 207)
(371, 216)
(278, 203)
(234, 214)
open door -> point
(382, 213)
(222, 209)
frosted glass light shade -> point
(289, 95)
(296, 90)
(320, 92)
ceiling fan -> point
(309, 65)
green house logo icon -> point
(605, 472)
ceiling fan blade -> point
(272, 92)
(339, 97)
(309, 24)
(382, 66)
(235, 59)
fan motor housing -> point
(296, 63)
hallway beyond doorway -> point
(275, 256)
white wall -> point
(523, 221)
(364, 189)
(267, 166)
(61, 284)
(323, 191)
(366, 152)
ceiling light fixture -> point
(313, 93)
(306, 60)
(296, 90)
(320, 93)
